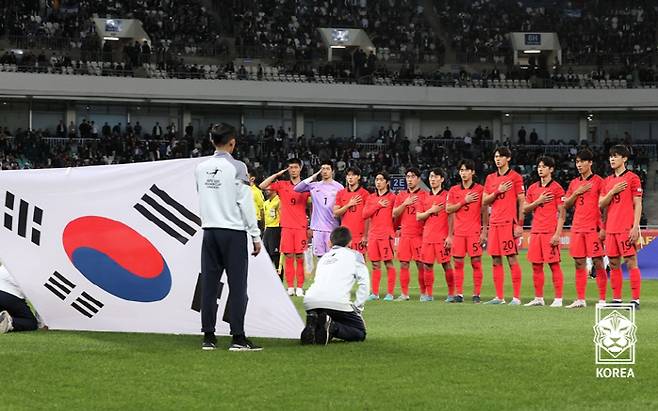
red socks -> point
(391, 280)
(290, 271)
(404, 280)
(538, 279)
(450, 280)
(376, 278)
(499, 279)
(602, 283)
(516, 279)
(300, 272)
(581, 283)
(558, 279)
(636, 283)
(459, 277)
(429, 281)
(477, 277)
(616, 280)
(421, 277)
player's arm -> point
(521, 201)
(529, 206)
(366, 227)
(340, 210)
(424, 215)
(562, 216)
(305, 185)
(484, 216)
(605, 200)
(399, 209)
(370, 208)
(488, 199)
(637, 214)
(269, 180)
(570, 199)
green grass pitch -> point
(417, 356)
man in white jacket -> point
(330, 312)
(15, 313)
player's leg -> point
(601, 278)
(376, 279)
(495, 250)
(287, 247)
(536, 258)
(613, 249)
(390, 280)
(581, 283)
(428, 257)
(635, 279)
(476, 264)
(416, 256)
(553, 258)
(301, 242)
(404, 256)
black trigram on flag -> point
(87, 305)
(168, 214)
(24, 225)
(59, 285)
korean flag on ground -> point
(117, 248)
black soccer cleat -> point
(636, 304)
(476, 299)
(459, 299)
(243, 344)
(308, 333)
(209, 342)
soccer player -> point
(258, 198)
(468, 230)
(294, 223)
(379, 209)
(622, 197)
(349, 206)
(587, 233)
(323, 196)
(545, 199)
(411, 236)
(503, 191)
(435, 246)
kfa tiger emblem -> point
(615, 334)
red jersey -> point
(621, 209)
(468, 219)
(544, 217)
(436, 225)
(353, 217)
(411, 227)
(504, 209)
(381, 218)
(587, 214)
(293, 204)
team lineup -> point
(445, 226)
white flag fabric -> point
(118, 248)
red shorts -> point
(540, 249)
(619, 245)
(410, 248)
(466, 245)
(357, 246)
(501, 240)
(293, 240)
(435, 252)
(380, 249)
(584, 245)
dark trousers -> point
(21, 315)
(271, 241)
(224, 249)
(347, 325)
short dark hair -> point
(384, 175)
(620, 150)
(341, 236)
(222, 133)
(468, 163)
(327, 163)
(503, 151)
(294, 161)
(354, 170)
(547, 160)
(438, 171)
(252, 172)
(413, 170)
(585, 155)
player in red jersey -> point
(436, 247)
(468, 230)
(411, 236)
(622, 197)
(503, 191)
(379, 209)
(350, 202)
(545, 199)
(294, 223)
(587, 233)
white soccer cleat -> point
(515, 301)
(557, 303)
(291, 291)
(6, 323)
(537, 302)
(601, 302)
(577, 304)
(299, 292)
